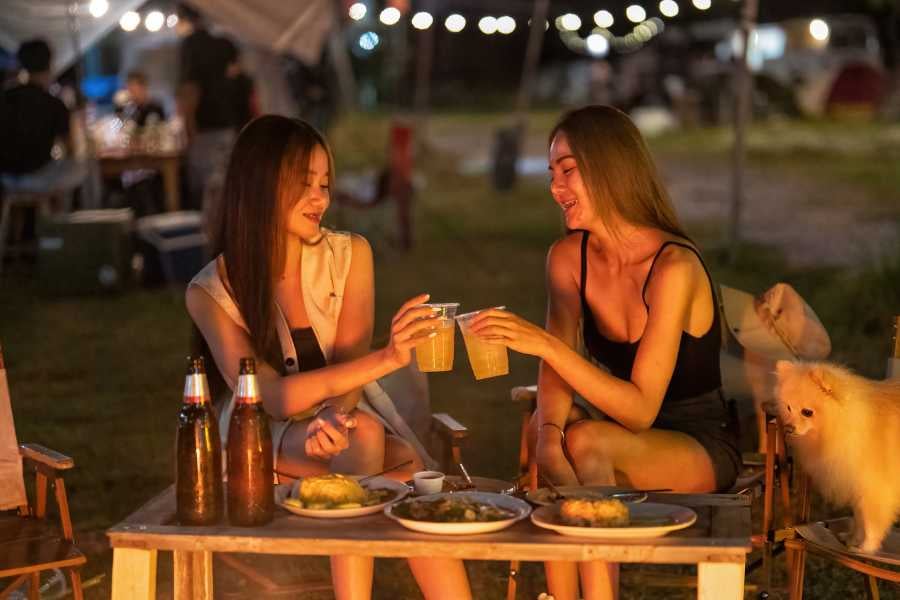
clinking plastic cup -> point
(435, 354)
(487, 360)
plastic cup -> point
(487, 360)
(428, 482)
(435, 354)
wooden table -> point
(167, 163)
(718, 543)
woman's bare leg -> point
(562, 579)
(562, 576)
(599, 580)
(365, 455)
(606, 453)
(352, 577)
(441, 578)
(398, 451)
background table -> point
(718, 543)
(167, 163)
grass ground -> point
(99, 378)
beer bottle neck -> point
(196, 390)
(247, 389)
(896, 353)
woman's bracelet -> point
(562, 431)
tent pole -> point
(529, 69)
(743, 94)
(340, 58)
(422, 94)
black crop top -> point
(309, 354)
(697, 365)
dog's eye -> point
(806, 412)
(789, 408)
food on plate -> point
(583, 512)
(451, 509)
(335, 491)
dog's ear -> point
(822, 378)
(783, 367)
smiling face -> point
(567, 186)
(305, 214)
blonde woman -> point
(633, 285)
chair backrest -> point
(12, 483)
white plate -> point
(539, 496)
(519, 507)
(648, 520)
(282, 492)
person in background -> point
(32, 122)
(140, 107)
(242, 89)
(204, 101)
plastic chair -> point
(29, 542)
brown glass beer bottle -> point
(198, 459)
(251, 498)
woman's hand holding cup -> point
(411, 323)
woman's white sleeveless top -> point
(324, 270)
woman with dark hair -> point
(628, 282)
(300, 299)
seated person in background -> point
(140, 107)
(634, 283)
(32, 121)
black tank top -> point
(697, 364)
(309, 354)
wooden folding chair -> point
(823, 539)
(29, 542)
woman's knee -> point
(368, 429)
(589, 439)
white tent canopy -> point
(54, 21)
(296, 27)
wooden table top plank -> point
(721, 534)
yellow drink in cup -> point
(487, 360)
(435, 354)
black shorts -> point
(706, 419)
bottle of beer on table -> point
(198, 460)
(251, 498)
(893, 366)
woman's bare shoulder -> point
(565, 250)
(676, 268)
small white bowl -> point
(428, 482)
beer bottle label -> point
(247, 390)
(195, 391)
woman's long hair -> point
(617, 169)
(266, 176)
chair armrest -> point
(448, 426)
(46, 456)
(525, 396)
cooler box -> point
(86, 251)
(172, 246)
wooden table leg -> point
(134, 574)
(193, 575)
(720, 581)
(170, 184)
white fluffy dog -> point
(845, 431)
